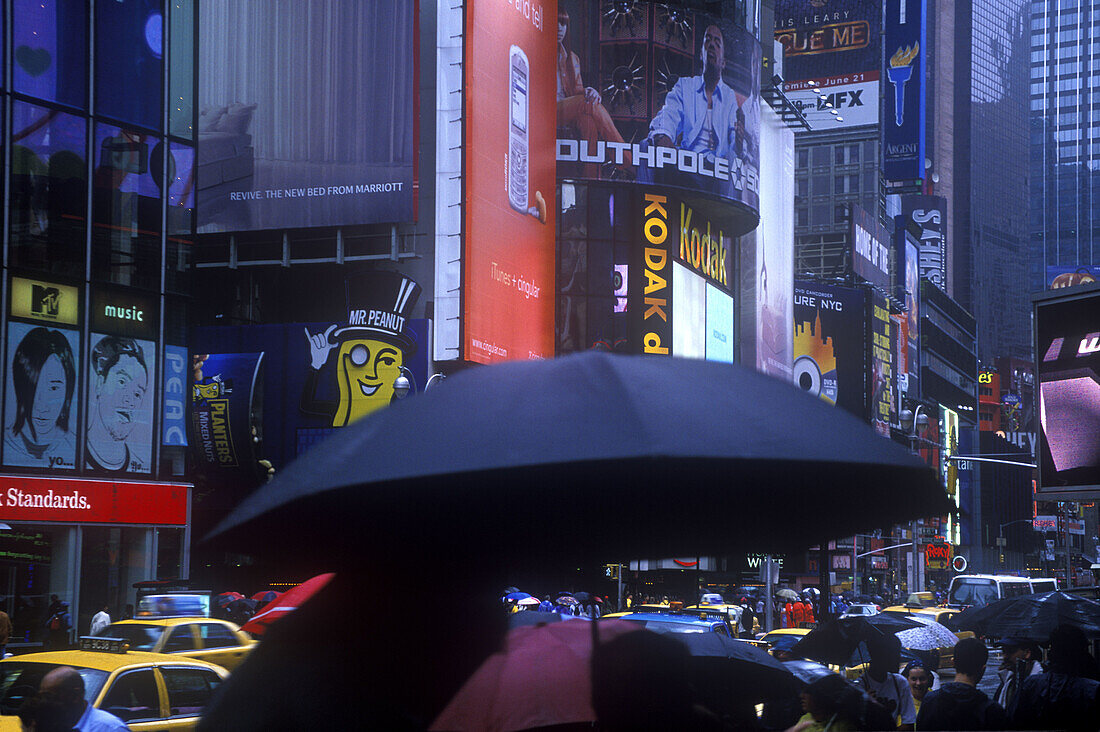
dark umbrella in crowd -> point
(462, 477)
(733, 668)
(1032, 616)
(845, 640)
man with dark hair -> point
(1064, 697)
(60, 700)
(883, 682)
(1019, 659)
(959, 704)
(118, 393)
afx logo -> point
(836, 100)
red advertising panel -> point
(92, 501)
(508, 274)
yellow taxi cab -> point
(204, 639)
(147, 691)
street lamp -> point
(406, 382)
(1002, 542)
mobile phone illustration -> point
(519, 74)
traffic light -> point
(611, 571)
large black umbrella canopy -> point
(846, 641)
(1032, 616)
(589, 455)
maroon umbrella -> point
(266, 596)
(224, 598)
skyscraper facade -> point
(1065, 139)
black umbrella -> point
(527, 458)
(744, 671)
(807, 671)
(1032, 616)
(845, 641)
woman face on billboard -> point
(43, 374)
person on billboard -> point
(43, 374)
(371, 350)
(119, 386)
(702, 113)
(579, 106)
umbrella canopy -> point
(554, 447)
(285, 604)
(930, 636)
(516, 596)
(807, 671)
(516, 620)
(1032, 616)
(786, 594)
(542, 678)
(745, 671)
(266, 596)
(845, 640)
(528, 601)
(224, 598)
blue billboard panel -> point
(904, 121)
(173, 421)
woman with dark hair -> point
(43, 375)
(920, 681)
(829, 704)
(579, 106)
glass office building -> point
(1065, 141)
(98, 133)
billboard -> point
(1067, 328)
(659, 95)
(831, 59)
(870, 248)
(830, 355)
(719, 338)
(508, 267)
(927, 216)
(225, 410)
(1070, 276)
(881, 373)
(689, 313)
(121, 395)
(774, 242)
(904, 108)
(307, 113)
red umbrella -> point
(285, 603)
(266, 596)
(542, 677)
(224, 598)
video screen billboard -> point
(689, 313)
(508, 272)
(831, 59)
(774, 255)
(658, 94)
(1068, 352)
(830, 354)
(904, 108)
(307, 113)
(719, 325)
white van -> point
(975, 590)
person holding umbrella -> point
(959, 704)
(1063, 697)
(1019, 660)
(884, 683)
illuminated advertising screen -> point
(831, 59)
(829, 344)
(307, 113)
(881, 373)
(1067, 329)
(870, 248)
(659, 95)
(508, 273)
(928, 215)
(774, 270)
(904, 108)
(689, 313)
(719, 325)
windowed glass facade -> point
(1065, 138)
